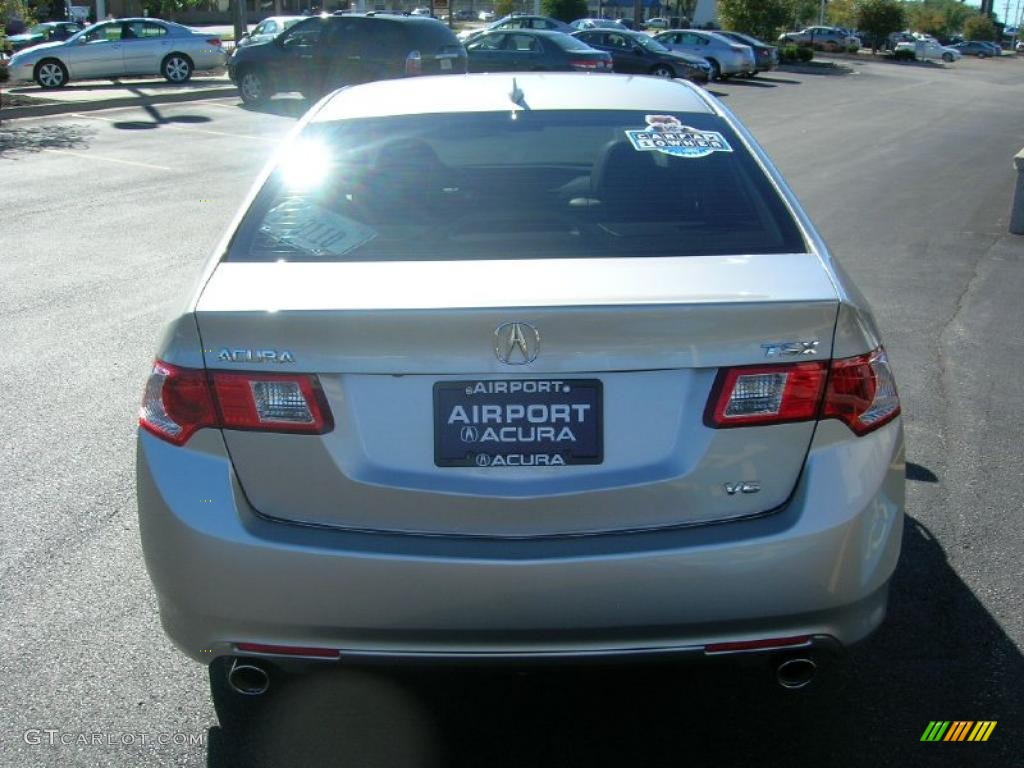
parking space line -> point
(107, 159)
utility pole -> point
(238, 18)
(821, 13)
(638, 13)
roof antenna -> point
(517, 95)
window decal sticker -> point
(666, 134)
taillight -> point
(215, 41)
(587, 64)
(859, 391)
(413, 63)
(179, 401)
(176, 403)
(862, 392)
(766, 394)
(271, 402)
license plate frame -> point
(461, 438)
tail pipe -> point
(248, 677)
(796, 672)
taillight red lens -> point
(176, 403)
(413, 63)
(859, 391)
(179, 401)
(766, 394)
(214, 41)
(272, 402)
(862, 392)
(586, 64)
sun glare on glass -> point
(304, 164)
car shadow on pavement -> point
(776, 80)
(939, 656)
(751, 83)
(18, 138)
(284, 107)
(87, 86)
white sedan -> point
(930, 49)
(120, 48)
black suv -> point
(326, 52)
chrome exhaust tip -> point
(796, 673)
(248, 677)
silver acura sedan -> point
(520, 369)
(120, 48)
(726, 57)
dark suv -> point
(326, 52)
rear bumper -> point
(819, 567)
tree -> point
(979, 27)
(880, 18)
(17, 11)
(504, 7)
(843, 13)
(803, 13)
(940, 18)
(564, 10)
(761, 18)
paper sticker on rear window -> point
(668, 135)
(314, 229)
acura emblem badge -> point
(516, 343)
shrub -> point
(804, 54)
(853, 49)
(787, 54)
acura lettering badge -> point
(516, 343)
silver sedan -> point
(725, 56)
(560, 372)
(120, 48)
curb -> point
(12, 113)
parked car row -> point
(316, 54)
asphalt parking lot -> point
(906, 170)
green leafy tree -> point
(979, 27)
(564, 10)
(880, 18)
(803, 13)
(504, 7)
(761, 18)
(940, 18)
(842, 13)
(15, 10)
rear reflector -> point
(757, 645)
(859, 391)
(287, 650)
(179, 401)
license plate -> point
(446, 63)
(518, 423)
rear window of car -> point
(568, 42)
(515, 185)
